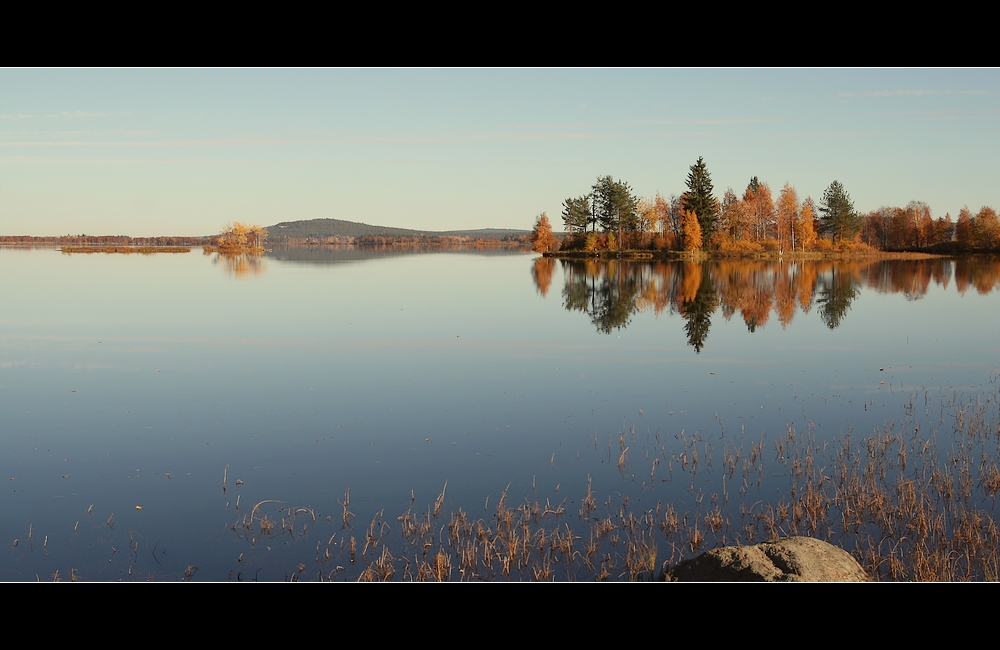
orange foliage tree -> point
(542, 239)
(692, 231)
(787, 215)
(986, 228)
(805, 230)
(242, 236)
(758, 199)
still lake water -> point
(131, 384)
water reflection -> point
(327, 254)
(241, 265)
(541, 273)
(609, 292)
(697, 312)
(836, 291)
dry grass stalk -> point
(910, 500)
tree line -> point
(611, 217)
(101, 240)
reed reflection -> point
(609, 292)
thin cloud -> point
(386, 140)
(721, 121)
(697, 122)
(457, 139)
(72, 134)
(153, 143)
(913, 93)
(83, 114)
(43, 160)
(942, 115)
(19, 116)
(832, 134)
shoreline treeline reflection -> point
(609, 292)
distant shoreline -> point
(144, 250)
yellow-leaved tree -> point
(805, 232)
(692, 230)
(542, 239)
(787, 213)
(242, 237)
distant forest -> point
(101, 240)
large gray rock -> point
(792, 559)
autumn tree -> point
(943, 230)
(732, 216)
(542, 239)
(878, 227)
(692, 231)
(918, 223)
(646, 214)
(963, 227)
(667, 222)
(670, 211)
(699, 198)
(986, 228)
(760, 206)
(786, 214)
(804, 228)
(241, 237)
(647, 219)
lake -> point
(302, 415)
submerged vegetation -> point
(610, 219)
(911, 500)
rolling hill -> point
(323, 228)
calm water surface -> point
(130, 384)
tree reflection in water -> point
(241, 265)
(697, 313)
(837, 290)
(609, 292)
(541, 273)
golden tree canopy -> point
(692, 231)
(542, 239)
(239, 236)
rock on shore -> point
(792, 559)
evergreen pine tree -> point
(838, 216)
(699, 199)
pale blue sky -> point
(182, 152)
